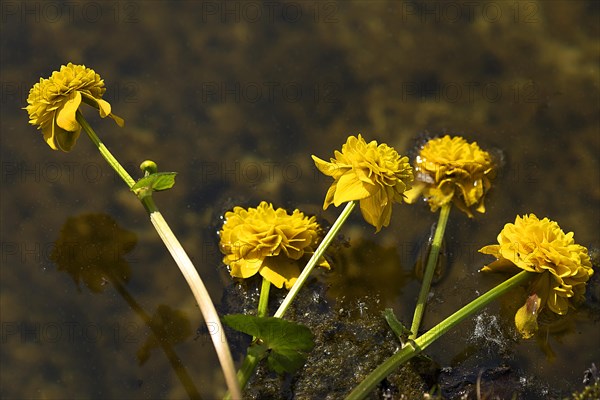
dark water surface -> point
(235, 97)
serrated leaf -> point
(286, 343)
(155, 182)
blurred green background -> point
(236, 96)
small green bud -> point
(149, 167)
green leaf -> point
(399, 329)
(155, 182)
(286, 343)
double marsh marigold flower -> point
(53, 102)
(374, 174)
(540, 246)
(269, 242)
(449, 169)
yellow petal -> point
(363, 175)
(500, 265)
(481, 207)
(280, 270)
(120, 121)
(438, 196)
(103, 107)
(411, 195)
(48, 132)
(245, 268)
(323, 263)
(329, 196)
(65, 117)
(349, 187)
(324, 166)
(374, 213)
(64, 140)
(492, 249)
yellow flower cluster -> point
(53, 102)
(451, 169)
(268, 241)
(540, 246)
(374, 174)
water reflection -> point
(363, 268)
(541, 56)
(91, 248)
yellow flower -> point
(451, 169)
(52, 104)
(374, 174)
(540, 246)
(268, 241)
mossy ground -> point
(351, 338)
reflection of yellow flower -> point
(267, 241)
(52, 103)
(91, 248)
(451, 169)
(541, 246)
(169, 327)
(374, 174)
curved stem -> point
(430, 269)
(315, 258)
(211, 317)
(422, 342)
(184, 263)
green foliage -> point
(155, 182)
(397, 327)
(286, 344)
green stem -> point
(430, 269)
(207, 308)
(315, 258)
(112, 161)
(422, 342)
(247, 369)
(263, 300)
(251, 361)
